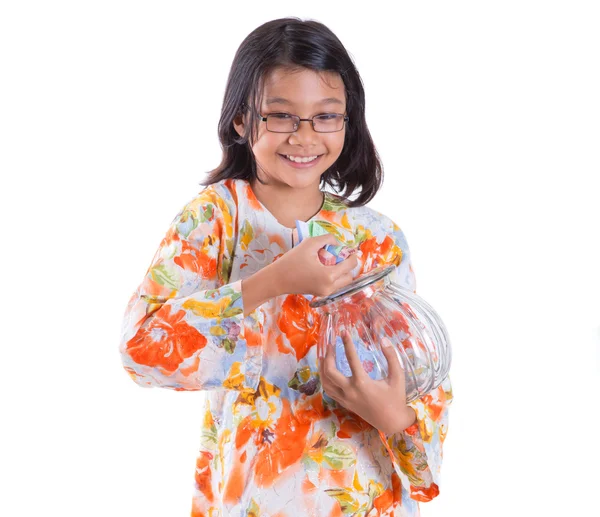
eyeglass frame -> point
(312, 122)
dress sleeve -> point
(184, 327)
(416, 452)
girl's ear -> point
(238, 124)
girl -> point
(224, 306)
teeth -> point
(298, 159)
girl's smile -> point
(299, 162)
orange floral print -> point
(166, 342)
(299, 324)
(203, 475)
(194, 260)
(271, 442)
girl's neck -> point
(287, 204)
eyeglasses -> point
(285, 123)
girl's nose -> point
(305, 134)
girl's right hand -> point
(300, 270)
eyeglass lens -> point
(283, 123)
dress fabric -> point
(272, 443)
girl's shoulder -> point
(217, 198)
(368, 217)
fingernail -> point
(386, 342)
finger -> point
(330, 373)
(342, 272)
(395, 371)
(342, 281)
(356, 367)
(346, 265)
(321, 241)
(334, 392)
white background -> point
(486, 116)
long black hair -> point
(295, 44)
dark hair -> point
(296, 44)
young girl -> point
(224, 306)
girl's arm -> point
(417, 450)
(186, 327)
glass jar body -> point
(374, 307)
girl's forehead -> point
(291, 87)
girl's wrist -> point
(275, 278)
(405, 420)
(411, 416)
(259, 288)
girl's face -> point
(304, 93)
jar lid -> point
(362, 281)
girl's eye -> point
(327, 116)
(280, 115)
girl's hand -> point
(301, 271)
(381, 403)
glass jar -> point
(373, 307)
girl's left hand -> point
(382, 403)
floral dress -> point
(272, 444)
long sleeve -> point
(417, 451)
(184, 327)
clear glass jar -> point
(373, 307)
